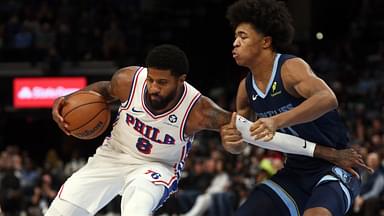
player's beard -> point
(160, 102)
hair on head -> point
(268, 17)
(168, 57)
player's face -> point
(162, 87)
(247, 45)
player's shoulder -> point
(294, 62)
(295, 67)
(127, 71)
(125, 74)
(203, 101)
(122, 80)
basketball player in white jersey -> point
(142, 158)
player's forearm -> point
(309, 110)
(101, 87)
(288, 144)
(325, 153)
(212, 116)
(280, 142)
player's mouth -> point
(155, 97)
(234, 54)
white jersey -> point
(146, 136)
(142, 147)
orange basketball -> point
(87, 114)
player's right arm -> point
(118, 88)
(233, 139)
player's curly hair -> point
(269, 17)
(168, 57)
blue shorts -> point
(289, 193)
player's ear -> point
(183, 77)
(267, 42)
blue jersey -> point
(327, 130)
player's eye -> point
(243, 36)
(162, 82)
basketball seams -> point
(98, 99)
(87, 114)
(84, 104)
(95, 116)
(96, 133)
(106, 123)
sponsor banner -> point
(41, 92)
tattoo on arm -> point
(214, 117)
(103, 88)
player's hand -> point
(231, 137)
(263, 128)
(358, 203)
(349, 159)
(56, 110)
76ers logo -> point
(172, 118)
(153, 174)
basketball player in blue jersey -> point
(282, 93)
(142, 158)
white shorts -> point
(108, 173)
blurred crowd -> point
(50, 32)
(214, 182)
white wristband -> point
(280, 142)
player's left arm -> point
(344, 158)
(207, 115)
(300, 81)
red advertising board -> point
(42, 91)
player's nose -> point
(154, 88)
(236, 42)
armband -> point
(280, 141)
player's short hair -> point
(268, 17)
(168, 57)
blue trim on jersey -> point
(347, 194)
(274, 69)
(284, 196)
(328, 178)
(165, 196)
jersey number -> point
(144, 146)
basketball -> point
(87, 114)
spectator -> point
(368, 202)
(11, 196)
(43, 195)
(218, 185)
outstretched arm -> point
(345, 158)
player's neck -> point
(262, 67)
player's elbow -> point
(333, 102)
(329, 100)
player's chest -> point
(164, 130)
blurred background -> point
(51, 47)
